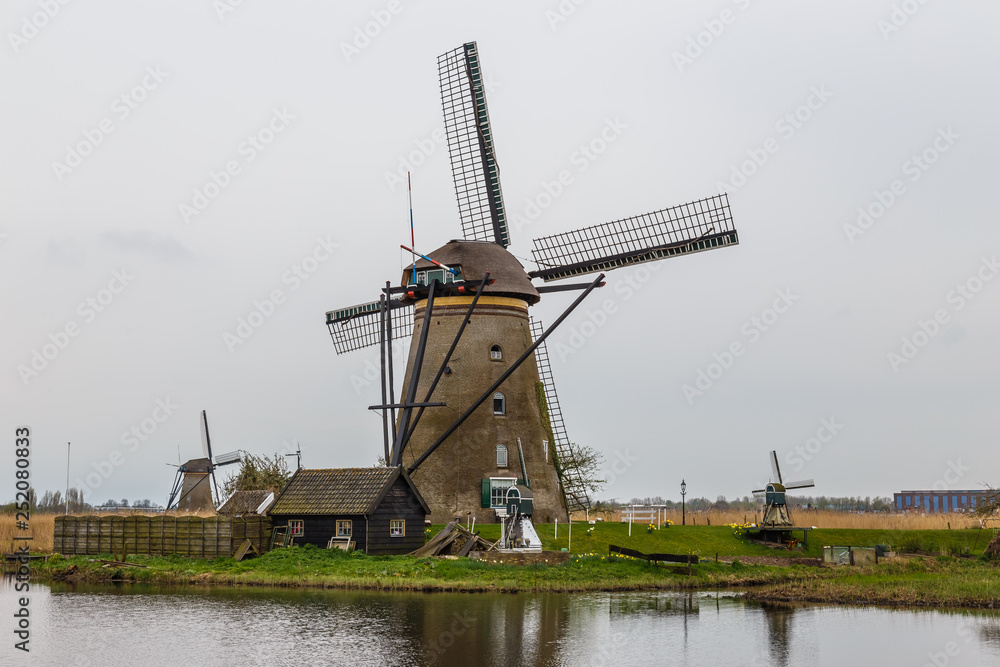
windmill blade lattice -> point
(358, 327)
(573, 485)
(679, 230)
(470, 146)
(775, 470)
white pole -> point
(503, 534)
(569, 548)
(631, 511)
(557, 529)
(67, 479)
(473, 523)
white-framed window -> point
(296, 527)
(545, 448)
(498, 490)
(397, 528)
(343, 528)
(499, 404)
(501, 456)
(496, 353)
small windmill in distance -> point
(191, 491)
(777, 521)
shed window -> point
(499, 404)
(343, 528)
(501, 456)
(296, 527)
(498, 491)
(397, 528)
(496, 353)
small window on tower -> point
(501, 456)
(499, 404)
(496, 353)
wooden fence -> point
(193, 536)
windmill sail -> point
(359, 327)
(573, 485)
(679, 230)
(775, 470)
(470, 146)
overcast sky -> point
(167, 165)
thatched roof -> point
(339, 491)
(478, 257)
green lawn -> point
(706, 541)
(929, 580)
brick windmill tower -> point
(478, 411)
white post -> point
(569, 547)
(473, 524)
(503, 534)
(557, 529)
(631, 512)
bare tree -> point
(585, 463)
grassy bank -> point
(322, 568)
(927, 579)
(919, 582)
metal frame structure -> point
(470, 146)
(573, 485)
(679, 230)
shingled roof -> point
(339, 491)
(243, 502)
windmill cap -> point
(478, 257)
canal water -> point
(86, 626)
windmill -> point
(776, 514)
(191, 491)
(466, 306)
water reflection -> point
(87, 626)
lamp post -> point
(684, 487)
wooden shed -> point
(247, 503)
(379, 509)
